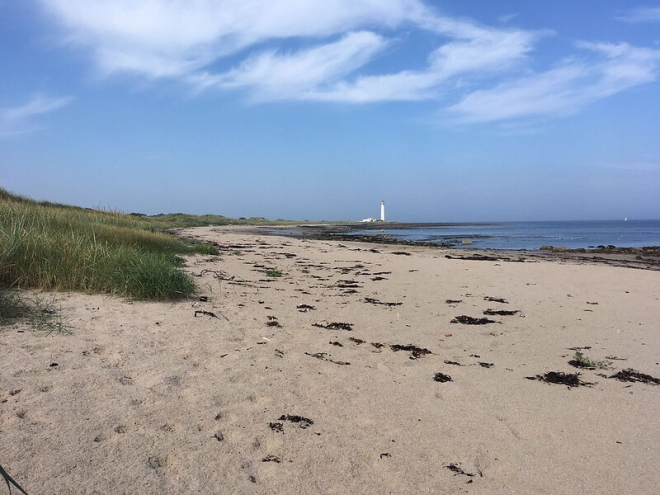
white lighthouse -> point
(382, 211)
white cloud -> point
(641, 14)
(272, 75)
(246, 45)
(564, 89)
(19, 120)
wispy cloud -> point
(20, 120)
(641, 14)
(564, 89)
(300, 50)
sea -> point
(531, 235)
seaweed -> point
(442, 378)
(303, 308)
(631, 375)
(457, 470)
(371, 300)
(486, 365)
(302, 421)
(496, 299)
(560, 378)
(469, 320)
(416, 352)
(207, 313)
(454, 301)
(453, 363)
(335, 326)
(357, 341)
(501, 312)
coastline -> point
(643, 258)
(319, 380)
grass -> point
(51, 246)
(581, 361)
(273, 273)
(37, 309)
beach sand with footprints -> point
(337, 367)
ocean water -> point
(533, 235)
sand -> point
(157, 398)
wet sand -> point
(343, 375)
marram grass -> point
(58, 247)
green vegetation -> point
(52, 246)
(581, 361)
(37, 309)
(273, 273)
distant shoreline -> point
(645, 258)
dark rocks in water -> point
(371, 300)
(560, 378)
(469, 320)
(496, 299)
(631, 375)
(442, 378)
(500, 312)
(417, 352)
(335, 326)
(300, 420)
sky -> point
(450, 111)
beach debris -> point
(300, 420)
(584, 348)
(351, 291)
(453, 363)
(416, 352)
(449, 335)
(347, 284)
(322, 357)
(454, 301)
(335, 326)
(616, 358)
(382, 273)
(279, 353)
(219, 436)
(206, 313)
(442, 378)
(401, 253)
(272, 322)
(631, 375)
(276, 427)
(501, 312)
(377, 345)
(476, 257)
(304, 308)
(371, 300)
(458, 470)
(376, 279)
(486, 365)
(496, 299)
(357, 341)
(203, 299)
(338, 344)
(560, 378)
(581, 361)
(469, 320)
(271, 458)
(374, 251)
(592, 303)
(385, 454)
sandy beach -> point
(343, 375)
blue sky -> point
(300, 109)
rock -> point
(546, 248)
(466, 242)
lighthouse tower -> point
(382, 211)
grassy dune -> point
(57, 247)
